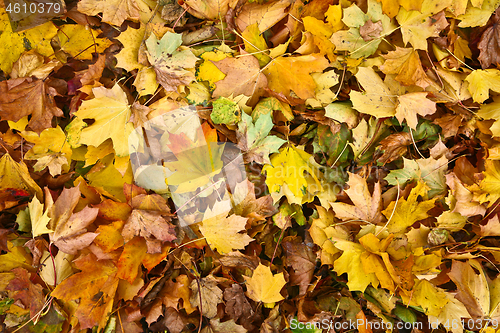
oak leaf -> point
(264, 286)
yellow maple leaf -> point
(256, 44)
(350, 263)
(223, 233)
(412, 104)
(408, 211)
(432, 299)
(207, 71)
(490, 185)
(481, 81)
(16, 175)
(293, 174)
(405, 63)
(287, 74)
(15, 43)
(417, 26)
(38, 218)
(377, 100)
(80, 42)
(111, 111)
(51, 149)
(263, 286)
(322, 230)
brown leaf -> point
(303, 261)
(211, 295)
(26, 96)
(250, 207)
(235, 259)
(174, 321)
(394, 146)
(88, 76)
(72, 235)
(237, 305)
(153, 202)
(243, 77)
(370, 30)
(226, 327)
(150, 225)
(489, 44)
(31, 295)
(449, 124)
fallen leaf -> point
(237, 305)
(16, 175)
(406, 64)
(264, 286)
(26, 96)
(169, 63)
(206, 295)
(243, 76)
(30, 294)
(286, 175)
(287, 74)
(114, 12)
(254, 139)
(94, 287)
(412, 104)
(377, 100)
(80, 41)
(112, 123)
(405, 212)
(481, 82)
(479, 295)
(366, 207)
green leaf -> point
(254, 138)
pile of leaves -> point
(368, 132)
